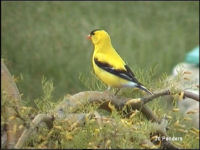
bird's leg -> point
(108, 90)
(118, 89)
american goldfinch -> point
(109, 66)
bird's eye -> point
(92, 33)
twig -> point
(18, 115)
(27, 132)
(140, 105)
(149, 114)
(191, 95)
(150, 98)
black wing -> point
(129, 71)
(125, 74)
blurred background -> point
(49, 39)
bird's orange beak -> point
(88, 37)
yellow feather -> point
(108, 78)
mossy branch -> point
(73, 102)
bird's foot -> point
(108, 91)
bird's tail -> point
(144, 89)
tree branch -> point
(191, 95)
(72, 103)
(151, 97)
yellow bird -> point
(109, 66)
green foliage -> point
(117, 131)
(45, 103)
(91, 82)
(13, 113)
(48, 38)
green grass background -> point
(48, 38)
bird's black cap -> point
(92, 32)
